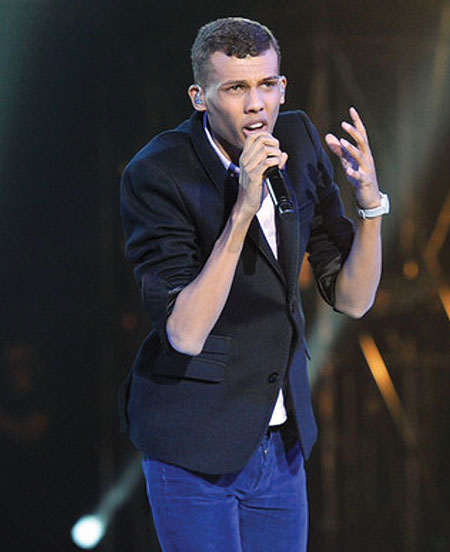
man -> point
(219, 399)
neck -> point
(227, 149)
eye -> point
(269, 84)
(236, 87)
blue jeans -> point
(262, 507)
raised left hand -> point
(357, 161)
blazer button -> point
(274, 377)
(293, 307)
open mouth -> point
(254, 127)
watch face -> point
(385, 203)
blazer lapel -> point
(288, 237)
(256, 235)
(208, 158)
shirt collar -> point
(229, 165)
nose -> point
(254, 101)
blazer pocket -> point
(209, 365)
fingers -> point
(284, 158)
(356, 159)
(358, 122)
(258, 146)
(260, 152)
(350, 150)
(349, 155)
(352, 173)
(334, 144)
(357, 130)
(360, 152)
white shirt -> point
(266, 219)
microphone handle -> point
(278, 191)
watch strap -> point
(383, 208)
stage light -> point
(88, 531)
(436, 242)
(385, 384)
(444, 296)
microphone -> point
(278, 191)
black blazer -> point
(209, 412)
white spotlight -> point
(88, 531)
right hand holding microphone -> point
(261, 151)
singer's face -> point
(242, 96)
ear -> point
(197, 98)
(282, 84)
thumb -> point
(284, 158)
(334, 144)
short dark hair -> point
(234, 36)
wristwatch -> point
(383, 209)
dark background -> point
(83, 85)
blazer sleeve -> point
(332, 233)
(160, 237)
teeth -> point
(255, 126)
